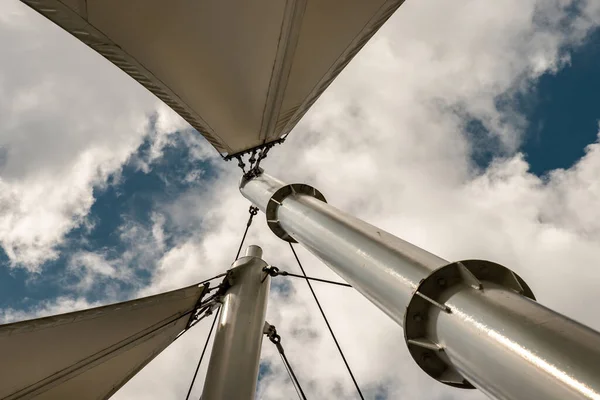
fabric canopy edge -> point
(90, 313)
(73, 23)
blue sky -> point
(562, 120)
(129, 197)
(562, 111)
(431, 192)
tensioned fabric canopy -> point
(241, 72)
(90, 354)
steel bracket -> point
(277, 199)
(429, 295)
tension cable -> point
(202, 355)
(271, 333)
(253, 211)
(274, 271)
(213, 278)
(327, 322)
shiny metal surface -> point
(254, 251)
(233, 369)
(431, 293)
(509, 346)
(382, 267)
(260, 189)
(513, 348)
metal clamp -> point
(276, 200)
(271, 332)
(430, 292)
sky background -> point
(469, 129)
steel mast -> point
(468, 324)
(234, 361)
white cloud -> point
(142, 247)
(90, 267)
(59, 305)
(386, 142)
(69, 119)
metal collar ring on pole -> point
(277, 199)
(431, 293)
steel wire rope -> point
(253, 211)
(276, 340)
(293, 377)
(211, 279)
(274, 271)
(212, 326)
(316, 279)
(327, 322)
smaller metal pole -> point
(234, 362)
(254, 251)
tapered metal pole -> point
(469, 323)
(234, 361)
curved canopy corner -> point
(241, 72)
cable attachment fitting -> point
(224, 286)
(270, 271)
(271, 332)
(241, 164)
(252, 158)
(252, 211)
(255, 156)
(274, 271)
